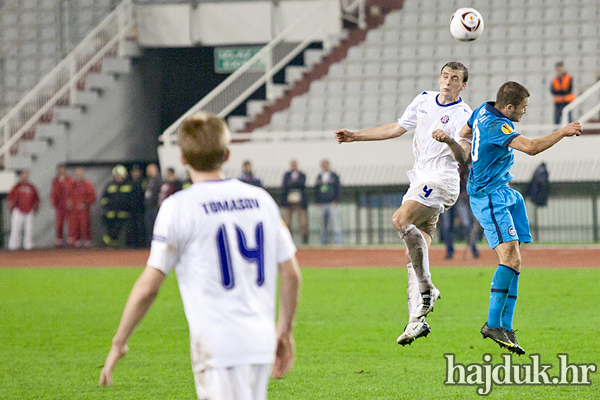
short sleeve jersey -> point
(224, 240)
(433, 159)
(492, 158)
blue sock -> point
(511, 302)
(501, 283)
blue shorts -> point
(503, 216)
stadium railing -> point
(258, 70)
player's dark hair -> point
(203, 139)
(458, 67)
(511, 93)
(559, 64)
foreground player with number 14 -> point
(227, 243)
(434, 181)
(499, 209)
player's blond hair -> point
(203, 139)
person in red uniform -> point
(82, 196)
(23, 201)
(59, 193)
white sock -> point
(412, 293)
(419, 255)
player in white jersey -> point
(227, 244)
(437, 118)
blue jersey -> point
(492, 158)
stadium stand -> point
(382, 74)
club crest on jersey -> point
(506, 129)
(445, 119)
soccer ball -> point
(466, 24)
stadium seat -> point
(354, 70)
(335, 87)
(316, 102)
(409, 20)
(352, 103)
(353, 86)
(356, 53)
(371, 86)
(589, 46)
(408, 37)
(587, 30)
(552, 14)
(372, 70)
(407, 52)
(375, 36)
(390, 53)
(372, 53)
(334, 103)
(391, 36)
(389, 69)
(370, 102)
(388, 85)
(408, 68)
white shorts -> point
(430, 194)
(241, 382)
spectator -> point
(23, 201)
(247, 175)
(169, 186)
(153, 186)
(467, 222)
(59, 193)
(293, 199)
(136, 237)
(82, 196)
(116, 204)
(562, 91)
(187, 183)
(328, 192)
(539, 187)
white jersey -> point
(433, 159)
(225, 240)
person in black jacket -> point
(117, 200)
(136, 236)
(539, 187)
(328, 193)
(293, 199)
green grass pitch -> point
(56, 326)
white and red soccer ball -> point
(466, 24)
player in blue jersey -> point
(499, 209)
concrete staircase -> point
(96, 131)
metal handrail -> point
(580, 99)
(168, 138)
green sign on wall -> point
(228, 59)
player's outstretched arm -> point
(382, 132)
(460, 150)
(536, 146)
(141, 297)
(289, 289)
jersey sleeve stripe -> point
(510, 139)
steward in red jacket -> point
(82, 196)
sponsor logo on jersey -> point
(445, 119)
(512, 231)
(422, 111)
(506, 129)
